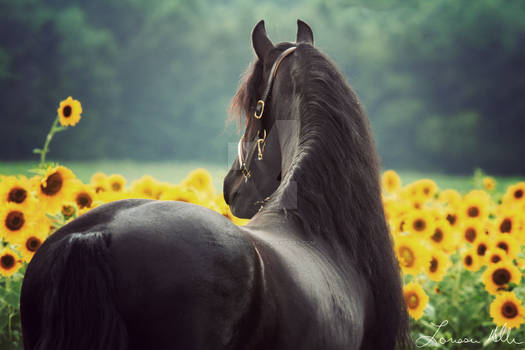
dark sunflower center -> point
(412, 300)
(473, 212)
(53, 184)
(468, 260)
(437, 236)
(68, 210)
(470, 234)
(495, 258)
(33, 243)
(407, 255)
(7, 261)
(426, 190)
(482, 248)
(84, 200)
(451, 219)
(518, 194)
(501, 277)
(17, 195)
(419, 225)
(506, 226)
(504, 246)
(509, 310)
(433, 265)
(14, 220)
(116, 186)
(67, 111)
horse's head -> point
(264, 98)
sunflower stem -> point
(458, 280)
(54, 129)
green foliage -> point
(10, 328)
(440, 80)
(463, 303)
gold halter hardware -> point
(260, 145)
(259, 116)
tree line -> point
(442, 81)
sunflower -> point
(54, 187)
(415, 299)
(146, 187)
(201, 180)
(69, 112)
(510, 223)
(452, 217)
(116, 182)
(442, 237)
(449, 197)
(69, 210)
(81, 195)
(496, 255)
(489, 183)
(14, 222)
(515, 194)
(481, 246)
(498, 276)
(506, 310)
(421, 223)
(411, 194)
(438, 266)
(508, 244)
(17, 191)
(9, 262)
(426, 188)
(412, 255)
(471, 231)
(391, 181)
(99, 182)
(475, 206)
(181, 193)
(32, 241)
(470, 260)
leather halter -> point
(260, 136)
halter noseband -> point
(259, 110)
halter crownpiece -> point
(259, 109)
(260, 142)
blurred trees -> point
(442, 81)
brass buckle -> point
(261, 103)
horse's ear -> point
(304, 33)
(261, 44)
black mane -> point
(336, 156)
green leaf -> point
(12, 297)
(37, 151)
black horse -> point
(313, 269)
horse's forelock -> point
(242, 101)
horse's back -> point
(183, 274)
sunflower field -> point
(461, 254)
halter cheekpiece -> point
(260, 136)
